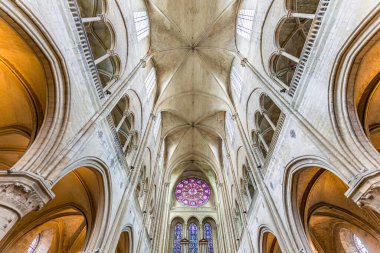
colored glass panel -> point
(193, 192)
(193, 235)
(33, 246)
(208, 236)
(360, 245)
(177, 238)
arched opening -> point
(303, 6)
(91, 8)
(23, 95)
(266, 124)
(66, 223)
(101, 39)
(365, 80)
(270, 243)
(291, 36)
(124, 245)
(331, 222)
(177, 233)
(122, 120)
(193, 235)
(247, 186)
(210, 234)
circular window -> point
(360, 245)
(193, 192)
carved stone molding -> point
(371, 198)
(365, 191)
(20, 194)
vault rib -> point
(182, 34)
(203, 35)
(166, 85)
(217, 80)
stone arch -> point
(266, 124)
(32, 79)
(320, 213)
(174, 222)
(355, 93)
(267, 241)
(125, 242)
(290, 37)
(75, 218)
(211, 221)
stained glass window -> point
(208, 236)
(177, 238)
(360, 245)
(34, 244)
(193, 238)
(193, 192)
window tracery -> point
(193, 192)
(193, 238)
(177, 238)
(207, 230)
(292, 34)
(266, 121)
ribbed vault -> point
(193, 43)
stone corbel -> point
(371, 198)
(20, 194)
(365, 191)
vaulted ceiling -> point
(193, 43)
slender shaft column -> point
(302, 15)
(263, 141)
(121, 122)
(20, 194)
(269, 121)
(289, 56)
(99, 17)
(104, 57)
(114, 79)
(274, 77)
(129, 138)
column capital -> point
(365, 191)
(244, 62)
(20, 194)
(111, 52)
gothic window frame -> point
(193, 237)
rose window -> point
(193, 192)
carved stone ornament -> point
(20, 197)
(371, 198)
(20, 194)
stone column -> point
(20, 194)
